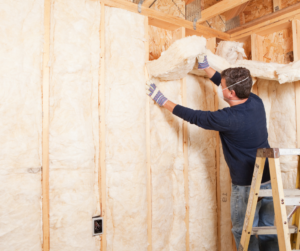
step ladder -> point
(288, 236)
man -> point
(243, 129)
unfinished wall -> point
(74, 129)
(125, 131)
(202, 169)
(279, 101)
(168, 202)
(21, 47)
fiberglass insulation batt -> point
(279, 102)
(202, 169)
(74, 129)
(21, 45)
(125, 104)
(167, 162)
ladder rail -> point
(281, 198)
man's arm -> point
(169, 105)
(208, 120)
(211, 73)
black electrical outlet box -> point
(97, 225)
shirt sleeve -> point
(216, 78)
(218, 121)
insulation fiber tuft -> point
(178, 60)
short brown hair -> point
(234, 75)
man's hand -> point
(155, 93)
(202, 61)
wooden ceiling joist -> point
(166, 21)
(268, 23)
(220, 8)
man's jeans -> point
(264, 216)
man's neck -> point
(236, 102)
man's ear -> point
(233, 93)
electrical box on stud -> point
(97, 225)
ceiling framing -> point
(264, 25)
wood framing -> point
(45, 136)
(279, 206)
(178, 34)
(295, 239)
(296, 49)
(219, 8)
(149, 174)
(211, 45)
(101, 108)
(276, 5)
(267, 24)
(166, 21)
(257, 47)
(252, 202)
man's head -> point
(234, 75)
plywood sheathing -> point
(257, 8)
(160, 39)
(278, 47)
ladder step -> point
(271, 230)
(287, 151)
(287, 192)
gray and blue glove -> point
(155, 93)
(202, 61)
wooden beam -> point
(265, 23)
(276, 5)
(211, 45)
(148, 141)
(257, 47)
(166, 21)
(178, 34)
(279, 206)
(186, 169)
(296, 49)
(45, 136)
(101, 109)
(219, 8)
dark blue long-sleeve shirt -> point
(243, 129)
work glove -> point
(155, 93)
(202, 61)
